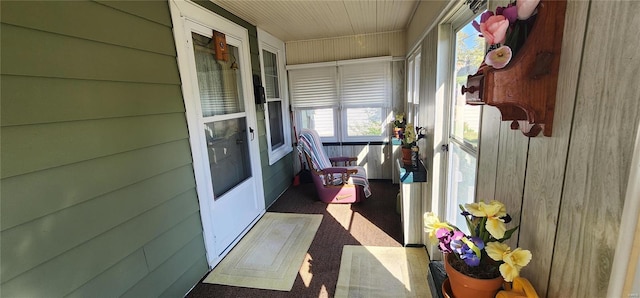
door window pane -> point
(270, 62)
(468, 56)
(364, 122)
(219, 81)
(228, 151)
(462, 181)
(320, 120)
(275, 124)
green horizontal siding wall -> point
(277, 177)
(97, 186)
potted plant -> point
(399, 125)
(408, 139)
(477, 263)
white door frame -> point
(625, 271)
(181, 12)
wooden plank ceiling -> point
(309, 19)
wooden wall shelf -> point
(525, 90)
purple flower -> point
(467, 254)
(483, 18)
(471, 259)
(444, 236)
(457, 235)
(486, 15)
(510, 12)
(457, 246)
(444, 247)
(441, 233)
(477, 241)
(456, 242)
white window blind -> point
(343, 100)
(314, 87)
(365, 85)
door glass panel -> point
(462, 180)
(275, 124)
(228, 154)
(218, 80)
(468, 57)
(271, 74)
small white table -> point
(411, 181)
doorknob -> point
(251, 132)
(444, 147)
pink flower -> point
(494, 29)
(499, 57)
(526, 8)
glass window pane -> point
(320, 120)
(228, 154)
(275, 124)
(416, 79)
(364, 122)
(271, 74)
(416, 89)
(410, 80)
(468, 56)
(219, 81)
(462, 181)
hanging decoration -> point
(220, 46)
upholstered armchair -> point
(344, 183)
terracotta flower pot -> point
(406, 156)
(466, 286)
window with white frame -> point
(277, 120)
(344, 101)
(413, 85)
(464, 128)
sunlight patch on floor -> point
(397, 265)
(343, 218)
(379, 271)
(305, 270)
(323, 292)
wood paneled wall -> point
(346, 47)
(427, 119)
(607, 112)
(567, 191)
(376, 159)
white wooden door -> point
(222, 126)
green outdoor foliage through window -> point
(468, 56)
